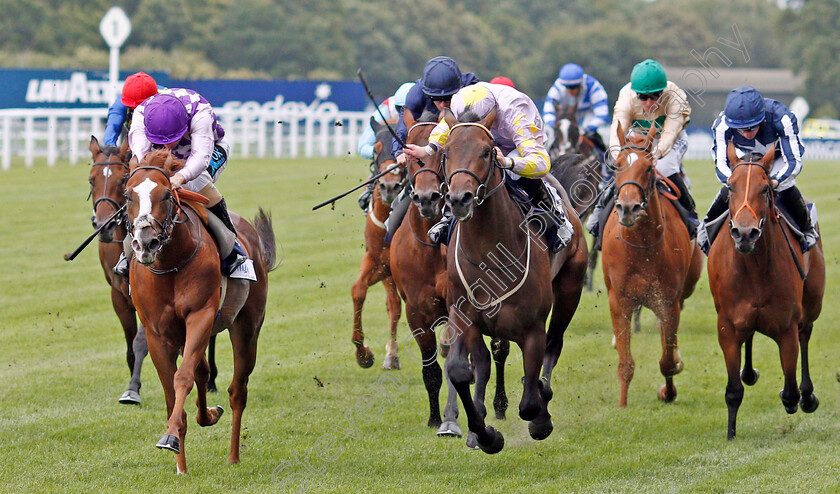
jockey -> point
(441, 79)
(650, 97)
(520, 148)
(184, 122)
(753, 124)
(575, 88)
(503, 81)
(136, 89)
(390, 109)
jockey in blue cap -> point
(754, 124)
(390, 109)
(182, 121)
(575, 88)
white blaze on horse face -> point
(565, 125)
(106, 172)
(144, 194)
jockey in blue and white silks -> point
(518, 133)
(574, 87)
(753, 124)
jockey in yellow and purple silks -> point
(520, 140)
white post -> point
(115, 27)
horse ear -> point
(449, 117)
(124, 149)
(622, 139)
(730, 153)
(408, 118)
(488, 119)
(94, 146)
(377, 148)
(769, 157)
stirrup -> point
(811, 237)
(121, 268)
(364, 200)
(235, 259)
(438, 232)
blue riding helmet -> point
(441, 77)
(401, 94)
(571, 74)
(744, 108)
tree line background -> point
(526, 40)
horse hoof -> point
(211, 388)
(472, 440)
(449, 428)
(170, 442)
(497, 443)
(220, 410)
(130, 397)
(809, 404)
(613, 341)
(391, 363)
(749, 378)
(500, 415)
(664, 396)
(364, 357)
(790, 409)
(545, 389)
(540, 431)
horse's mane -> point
(162, 158)
(428, 116)
(469, 115)
(109, 150)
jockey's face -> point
(749, 133)
(441, 104)
(649, 101)
(573, 90)
(171, 145)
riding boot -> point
(592, 223)
(123, 263)
(440, 230)
(364, 199)
(237, 255)
(541, 198)
(795, 204)
(686, 200)
(719, 206)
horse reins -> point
(646, 191)
(481, 193)
(104, 198)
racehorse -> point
(492, 248)
(176, 288)
(375, 266)
(761, 283)
(648, 260)
(583, 175)
(108, 173)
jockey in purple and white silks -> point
(753, 124)
(574, 87)
(182, 121)
(520, 140)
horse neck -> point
(496, 220)
(770, 247)
(182, 243)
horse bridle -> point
(107, 199)
(746, 204)
(481, 193)
(438, 173)
(646, 189)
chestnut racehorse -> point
(756, 284)
(494, 246)
(648, 260)
(108, 173)
(375, 266)
(176, 284)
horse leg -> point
(592, 262)
(789, 351)
(620, 312)
(205, 416)
(637, 319)
(533, 407)
(458, 370)
(243, 339)
(364, 356)
(734, 388)
(432, 375)
(480, 359)
(671, 362)
(809, 401)
(214, 372)
(749, 375)
(165, 356)
(128, 320)
(501, 349)
(392, 296)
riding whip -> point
(72, 255)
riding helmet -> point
(441, 77)
(137, 88)
(571, 74)
(648, 77)
(744, 108)
(166, 120)
(504, 81)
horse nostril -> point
(435, 197)
(415, 198)
(154, 244)
(736, 233)
(754, 233)
(637, 209)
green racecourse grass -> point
(62, 368)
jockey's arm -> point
(788, 132)
(549, 116)
(201, 144)
(366, 142)
(622, 114)
(116, 119)
(677, 114)
(137, 141)
(719, 149)
(600, 109)
(533, 161)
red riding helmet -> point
(503, 81)
(137, 88)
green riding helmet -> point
(648, 77)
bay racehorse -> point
(648, 260)
(176, 288)
(375, 265)
(502, 280)
(108, 173)
(761, 282)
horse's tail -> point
(262, 223)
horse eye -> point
(486, 153)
